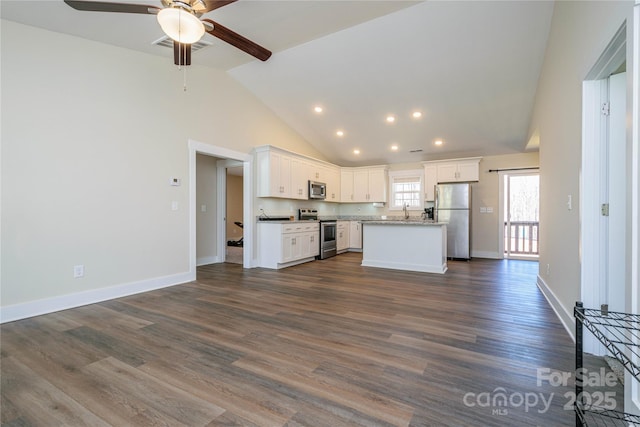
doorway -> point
(196, 148)
(521, 213)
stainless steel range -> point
(328, 232)
(328, 244)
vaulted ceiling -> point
(470, 68)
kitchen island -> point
(405, 245)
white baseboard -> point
(486, 254)
(49, 305)
(566, 317)
(207, 260)
(440, 269)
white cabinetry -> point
(457, 170)
(355, 235)
(362, 185)
(430, 181)
(274, 174)
(286, 175)
(333, 184)
(299, 180)
(282, 245)
(377, 185)
(342, 238)
(469, 170)
(346, 185)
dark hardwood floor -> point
(327, 343)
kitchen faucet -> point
(406, 213)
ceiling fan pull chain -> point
(184, 82)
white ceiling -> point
(471, 67)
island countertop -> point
(402, 222)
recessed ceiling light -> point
(317, 109)
(340, 133)
(391, 118)
(416, 114)
(394, 147)
(438, 142)
(356, 151)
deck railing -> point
(524, 237)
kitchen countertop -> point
(288, 221)
(401, 222)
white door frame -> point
(593, 183)
(593, 130)
(632, 388)
(196, 147)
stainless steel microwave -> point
(317, 190)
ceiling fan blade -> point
(95, 6)
(181, 53)
(215, 4)
(235, 39)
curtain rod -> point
(514, 169)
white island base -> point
(405, 245)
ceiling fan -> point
(180, 20)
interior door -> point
(615, 211)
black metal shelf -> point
(597, 417)
(620, 334)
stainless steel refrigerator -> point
(453, 207)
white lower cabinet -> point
(342, 238)
(355, 235)
(286, 244)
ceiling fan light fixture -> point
(181, 25)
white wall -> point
(579, 33)
(91, 134)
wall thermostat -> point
(175, 181)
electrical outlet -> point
(78, 271)
(548, 269)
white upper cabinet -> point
(333, 184)
(299, 180)
(287, 175)
(430, 181)
(377, 185)
(362, 185)
(346, 185)
(469, 170)
(454, 170)
(274, 174)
